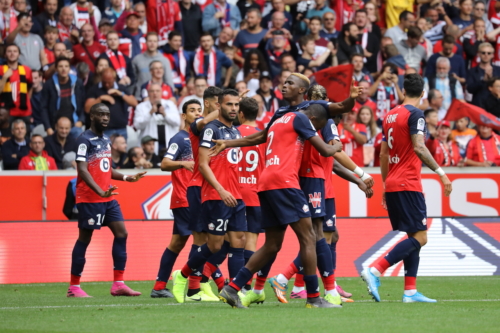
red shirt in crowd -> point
(353, 149)
(28, 162)
(87, 54)
(448, 155)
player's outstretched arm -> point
(323, 148)
(425, 156)
(347, 105)
(248, 141)
(203, 122)
(84, 174)
(168, 165)
(344, 173)
(115, 175)
(207, 173)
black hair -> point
(95, 108)
(413, 85)
(394, 68)
(347, 27)
(206, 33)
(262, 62)
(414, 32)
(174, 33)
(317, 18)
(404, 15)
(36, 135)
(362, 10)
(427, 112)
(492, 81)
(211, 92)
(449, 39)
(22, 15)
(250, 108)
(431, 94)
(200, 77)
(316, 110)
(191, 101)
(226, 92)
(12, 44)
(59, 59)
(356, 55)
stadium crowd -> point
(60, 57)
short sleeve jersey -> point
(311, 165)
(285, 146)
(179, 149)
(96, 151)
(194, 137)
(251, 165)
(329, 132)
(225, 164)
(404, 165)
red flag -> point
(477, 115)
(337, 81)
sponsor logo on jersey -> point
(211, 226)
(82, 149)
(248, 180)
(275, 160)
(421, 124)
(329, 223)
(394, 159)
(207, 136)
(305, 208)
(91, 221)
(173, 148)
(315, 199)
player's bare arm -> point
(248, 141)
(323, 148)
(115, 175)
(83, 172)
(209, 118)
(343, 159)
(425, 156)
(384, 168)
(344, 173)
(168, 165)
(207, 173)
(346, 105)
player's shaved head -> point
(99, 107)
(304, 81)
(250, 108)
(413, 85)
(316, 93)
(317, 115)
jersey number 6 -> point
(390, 138)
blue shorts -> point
(407, 211)
(329, 222)
(98, 214)
(282, 207)
(194, 200)
(182, 217)
(254, 217)
(219, 218)
(314, 191)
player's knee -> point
(335, 237)
(121, 234)
(178, 244)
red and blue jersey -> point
(294, 108)
(179, 149)
(404, 165)
(329, 133)
(194, 137)
(251, 165)
(225, 164)
(285, 146)
(96, 151)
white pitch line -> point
(211, 303)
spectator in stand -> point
(5, 130)
(432, 120)
(435, 33)
(288, 62)
(14, 149)
(50, 37)
(15, 83)
(45, 18)
(148, 146)
(435, 99)
(472, 42)
(100, 65)
(118, 61)
(200, 84)
(364, 99)
(314, 30)
(484, 149)
(386, 91)
(81, 10)
(329, 32)
(347, 43)
(245, 5)
(157, 73)
(265, 91)
(453, 31)
(411, 50)
(68, 32)
(444, 150)
(464, 20)
(393, 9)
(479, 76)
(224, 40)
(353, 137)
(398, 32)
(37, 158)
(359, 74)
(8, 17)
(36, 97)
(252, 70)
(478, 13)
(230, 52)
(63, 96)
(278, 21)
(369, 41)
(180, 61)
(278, 6)
(140, 9)
(88, 51)
(60, 142)
(249, 38)
(307, 59)
(132, 41)
(425, 42)
(395, 58)
(113, 12)
(491, 102)
(118, 151)
(191, 23)
(456, 61)
(366, 117)
(157, 117)
(444, 81)
(241, 86)
(30, 45)
(59, 51)
(164, 18)
(263, 117)
(319, 10)
(137, 159)
(462, 134)
(275, 51)
(114, 95)
(142, 62)
(373, 18)
(208, 61)
(218, 15)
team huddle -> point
(232, 183)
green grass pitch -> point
(465, 304)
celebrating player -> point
(402, 154)
(282, 201)
(222, 211)
(95, 203)
(178, 160)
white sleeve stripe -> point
(170, 156)
(206, 144)
(81, 159)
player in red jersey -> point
(282, 201)
(178, 160)
(95, 203)
(223, 211)
(402, 154)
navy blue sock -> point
(411, 263)
(119, 253)
(333, 250)
(194, 249)
(243, 276)
(217, 274)
(78, 258)
(324, 256)
(166, 263)
(402, 250)
(247, 255)
(264, 271)
(298, 263)
(236, 261)
(199, 258)
(312, 286)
